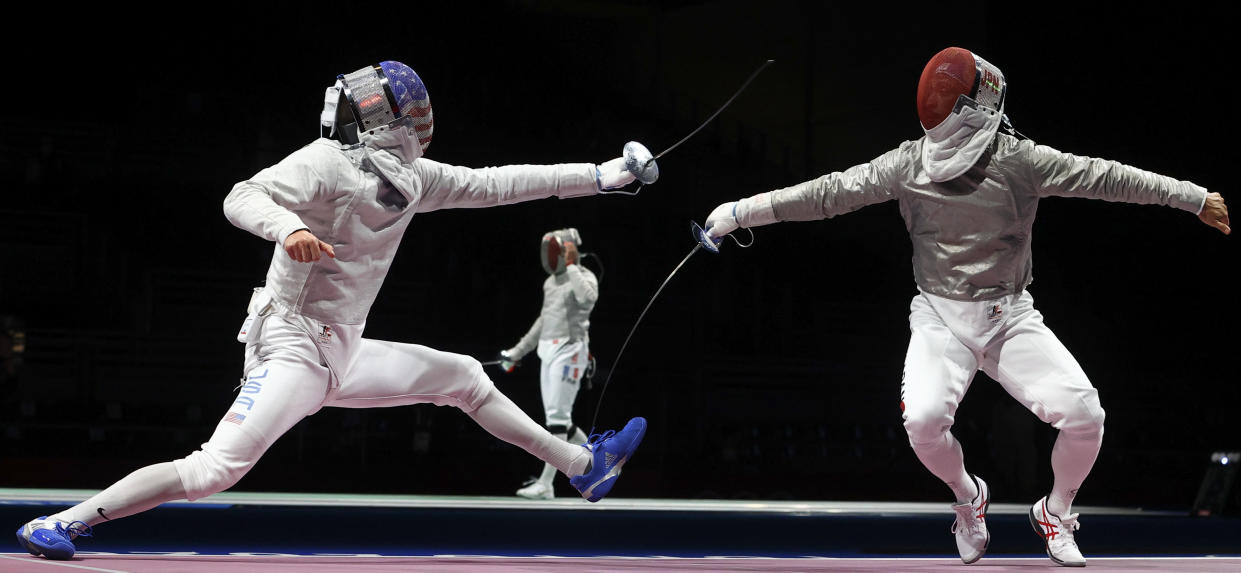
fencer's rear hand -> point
(722, 220)
(304, 247)
(1215, 213)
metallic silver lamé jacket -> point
(971, 235)
(326, 187)
(568, 299)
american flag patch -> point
(235, 418)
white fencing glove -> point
(612, 175)
(749, 212)
(507, 361)
(722, 221)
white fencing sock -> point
(134, 493)
(946, 461)
(503, 419)
(1072, 457)
(549, 471)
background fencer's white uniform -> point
(972, 263)
(304, 344)
(561, 335)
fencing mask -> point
(389, 94)
(961, 106)
(551, 250)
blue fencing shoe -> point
(609, 451)
(51, 538)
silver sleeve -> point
(840, 192)
(1058, 174)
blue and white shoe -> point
(51, 538)
(610, 451)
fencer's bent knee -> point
(1084, 418)
(925, 425)
(475, 384)
(213, 469)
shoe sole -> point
(37, 550)
(28, 546)
(1039, 530)
(603, 487)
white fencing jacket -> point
(335, 191)
(568, 298)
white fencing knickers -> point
(562, 365)
(293, 367)
(951, 340)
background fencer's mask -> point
(961, 106)
(389, 94)
(551, 250)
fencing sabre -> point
(640, 162)
(703, 241)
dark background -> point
(770, 372)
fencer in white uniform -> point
(336, 210)
(561, 335)
(968, 193)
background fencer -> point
(968, 191)
(336, 210)
(561, 335)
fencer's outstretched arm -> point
(450, 186)
(1058, 174)
(820, 198)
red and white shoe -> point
(1057, 534)
(971, 524)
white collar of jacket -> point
(953, 146)
(392, 149)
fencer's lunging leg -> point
(286, 385)
(221, 462)
(577, 437)
(137, 492)
(505, 420)
(393, 374)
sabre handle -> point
(712, 245)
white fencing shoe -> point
(536, 489)
(1057, 534)
(971, 524)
